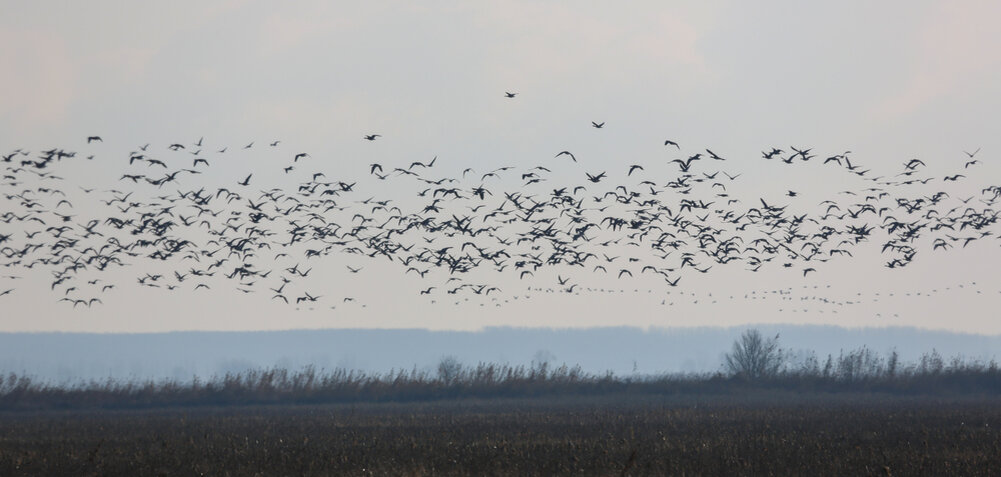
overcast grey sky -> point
(890, 81)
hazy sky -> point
(890, 81)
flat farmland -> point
(763, 434)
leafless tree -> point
(754, 356)
(449, 370)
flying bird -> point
(567, 153)
(686, 164)
(418, 163)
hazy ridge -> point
(73, 356)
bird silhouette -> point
(567, 153)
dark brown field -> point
(768, 433)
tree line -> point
(755, 357)
(754, 362)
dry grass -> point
(764, 433)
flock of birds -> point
(457, 233)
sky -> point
(889, 81)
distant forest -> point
(754, 362)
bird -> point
(372, 137)
(668, 142)
(714, 155)
(246, 181)
(567, 153)
(509, 95)
(770, 154)
(306, 297)
(633, 168)
(421, 164)
(91, 139)
(687, 163)
(598, 125)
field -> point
(763, 433)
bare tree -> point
(449, 370)
(754, 356)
